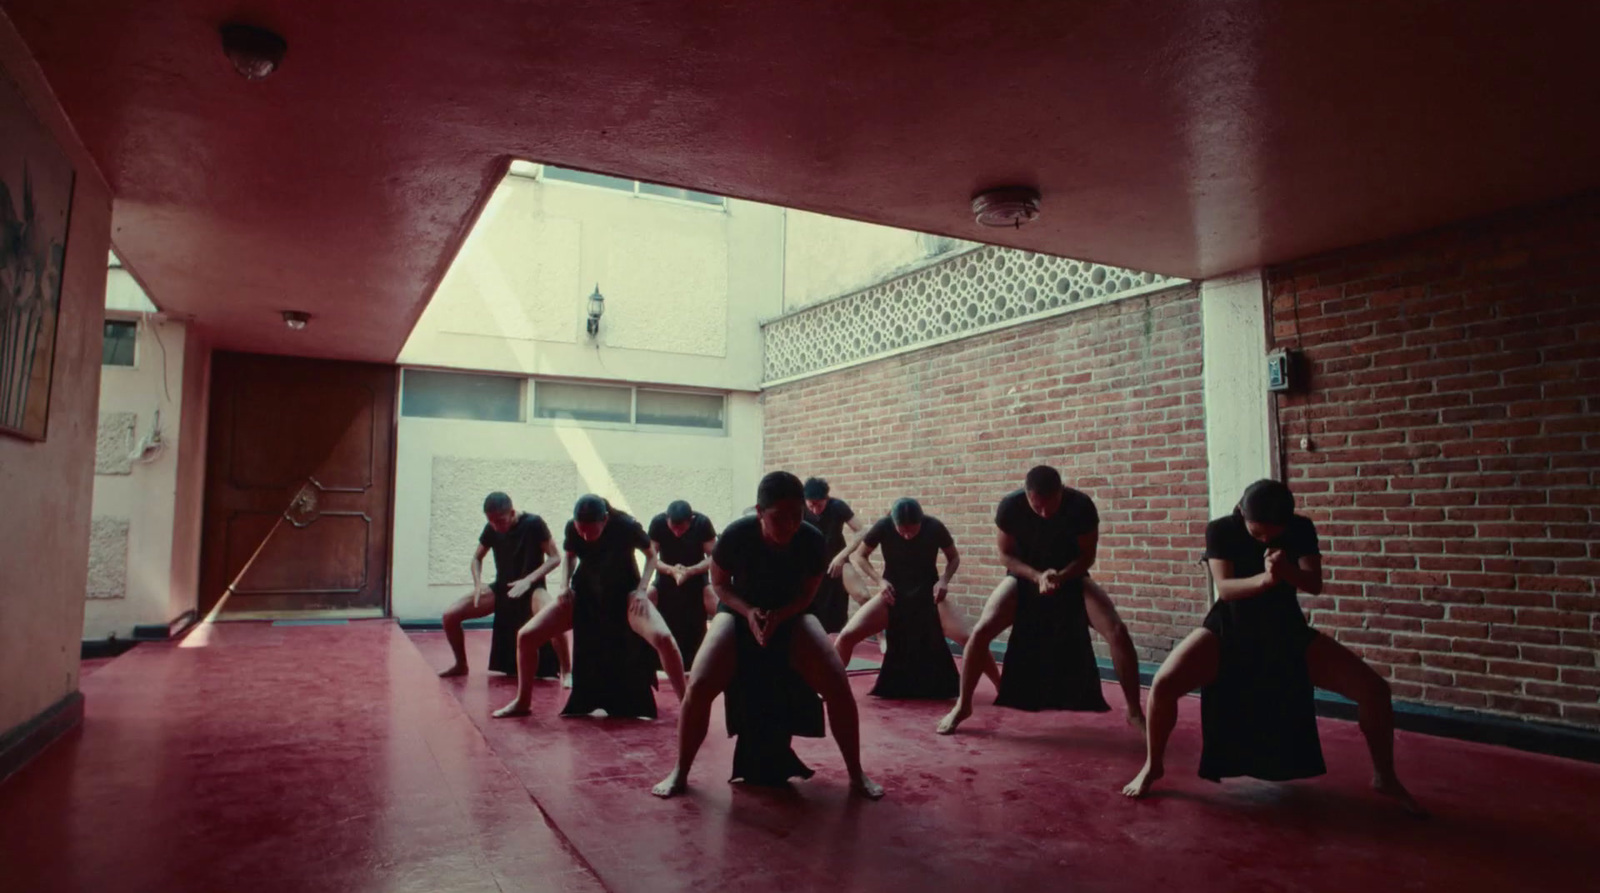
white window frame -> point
(633, 410)
(525, 395)
(530, 386)
(534, 171)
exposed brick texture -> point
(1111, 395)
(1454, 412)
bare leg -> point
(815, 660)
(1190, 665)
(1103, 617)
(872, 618)
(543, 599)
(546, 625)
(998, 613)
(955, 629)
(463, 609)
(1335, 668)
(713, 670)
(652, 627)
(861, 591)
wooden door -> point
(298, 481)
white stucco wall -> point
(444, 468)
(1238, 408)
(825, 257)
(130, 554)
(685, 288)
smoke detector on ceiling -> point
(255, 52)
(1007, 206)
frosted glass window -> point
(587, 179)
(582, 402)
(456, 395)
(117, 349)
(708, 411)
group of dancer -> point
(748, 614)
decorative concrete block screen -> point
(984, 290)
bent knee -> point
(1375, 688)
(1165, 688)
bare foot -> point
(955, 717)
(671, 786)
(453, 670)
(1141, 783)
(511, 709)
(866, 787)
(1392, 788)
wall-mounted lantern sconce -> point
(597, 308)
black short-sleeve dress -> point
(1258, 717)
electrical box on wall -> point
(1285, 370)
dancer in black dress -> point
(1048, 537)
(683, 539)
(767, 652)
(524, 554)
(614, 626)
(1256, 660)
(831, 516)
(911, 606)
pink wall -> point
(190, 498)
(46, 488)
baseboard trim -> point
(161, 632)
(433, 624)
(21, 744)
(1428, 719)
(96, 649)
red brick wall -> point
(1111, 395)
(1456, 453)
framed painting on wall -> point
(36, 180)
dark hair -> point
(496, 502)
(1267, 502)
(778, 487)
(1043, 480)
(816, 488)
(590, 508)
(679, 511)
(906, 511)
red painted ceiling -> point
(1189, 138)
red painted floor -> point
(275, 759)
(329, 758)
(1032, 802)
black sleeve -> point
(1088, 515)
(845, 511)
(941, 535)
(571, 542)
(539, 534)
(636, 534)
(658, 528)
(1005, 514)
(815, 559)
(727, 552)
(486, 538)
(705, 530)
(875, 534)
(1219, 543)
(1301, 537)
